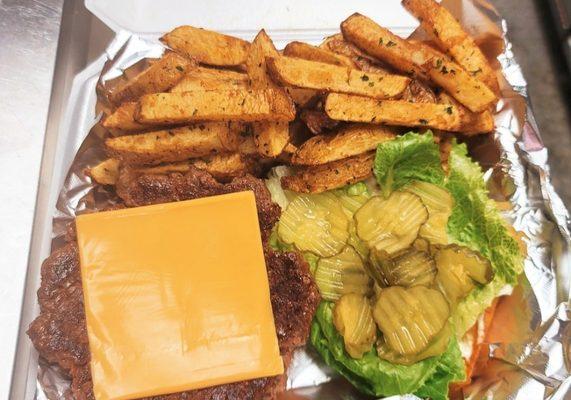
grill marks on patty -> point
(59, 332)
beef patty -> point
(137, 189)
(59, 333)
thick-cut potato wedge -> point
(451, 38)
(337, 44)
(226, 166)
(290, 149)
(123, 118)
(287, 153)
(270, 137)
(321, 76)
(221, 166)
(317, 121)
(302, 97)
(239, 138)
(201, 78)
(344, 107)
(207, 47)
(215, 105)
(466, 89)
(247, 145)
(312, 53)
(106, 172)
(159, 77)
(418, 59)
(171, 145)
(261, 47)
(347, 142)
(418, 92)
(381, 43)
(319, 178)
(473, 123)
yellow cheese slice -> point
(176, 297)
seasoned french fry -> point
(215, 105)
(227, 166)
(302, 97)
(287, 153)
(201, 78)
(312, 53)
(347, 142)
(319, 178)
(159, 77)
(472, 123)
(207, 47)
(451, 38)
(164, 169)
(361, 60)
(261, 47)
(270, 137)
(290, 149)
(247, 144)
(321, 76)
(345, 107)
(239, 138)
(123, 118)
(221, 166)
(418, 59)
(106, 172)
(461, 85)
(381, 43)
(171, 145)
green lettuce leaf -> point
(377, 377)
(451, 368)
(475, 222)
(405, 159)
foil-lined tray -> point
(529, 341)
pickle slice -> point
(353, 319)
(452, 278)
(410, 318)
(351, 203)
(476, 266)
(422, 244)
(406, 268)
(439, 203)
(435, 228)
(458, 269)
(315, 223)
(391, 224)
(342, 274)
(438, 346)
(355, 242)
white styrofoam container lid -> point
(284, 20)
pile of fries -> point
(231, 107)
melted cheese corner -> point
(176, 297)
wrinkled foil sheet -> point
(530, 338)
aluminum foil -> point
(529, 341)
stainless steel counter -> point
(28, 40)
(28, 37)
